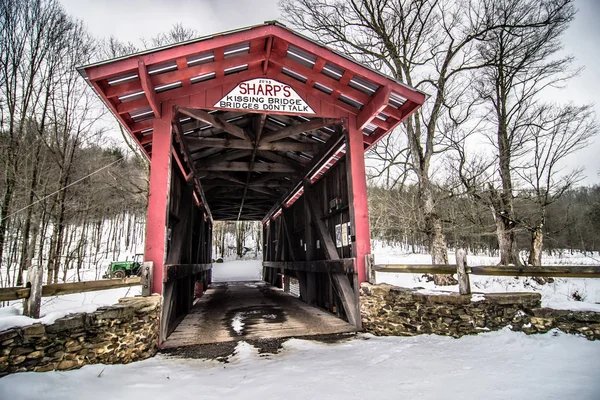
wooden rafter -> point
(375, 106)
(245, 166)
(148, 88)
(198, 143)
(188, 159)
(260, 124)
(215, 121)
(292, 130)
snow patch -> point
(423, 367)
(477, 297)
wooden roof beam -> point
(243, 144)
(186, 153)
(316, 123)
(375, 106)
(215, 121)
(245, 166)
(148, 88)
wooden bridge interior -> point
(300, 170)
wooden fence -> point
(55, 289)
(463, 270)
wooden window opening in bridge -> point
(263, 124)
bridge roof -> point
(196, 75)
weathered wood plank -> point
(238, 166)
(416, 268)
(14, 293)
(177, 271)
(56, 289)
(292, 130)
(216, 122)
(556, 271)
(245, 145)
(344, 265)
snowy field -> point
(497, 365)
(562, 294)
(237, 270)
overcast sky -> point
(134, 19)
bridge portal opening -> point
(262, 124)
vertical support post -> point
(33, 304)
(308, 280)
(464, 285)
(147, 270)
(357, 194)
(158, 200)
(369, 264)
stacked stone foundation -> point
(118, 334)
(390, 310)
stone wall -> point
(122, 333)
(396, 311)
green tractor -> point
(123, 269)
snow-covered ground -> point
(561, 294)
(59, 306)
(237, 270)
(497, 365)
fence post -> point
(32, 305)
(147, 278)
(370, 272)
(464, 285)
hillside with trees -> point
(481, 165)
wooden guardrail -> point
(463, 270)
(56, 289)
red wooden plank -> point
(268, 55)
(146, 138)
(133, 105)
(346, 64)
(217, 66)
(116, 114)
(338, 87)
(148, 89)
(185, 74)
(141, 126)
(123, 89)
(374, 107)
(130, 64)
(278, 75)
(405, 111)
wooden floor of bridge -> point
(231, 311)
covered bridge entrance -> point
(263, 124)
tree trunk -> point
(537, 244)
(9, 183)
(433, 229)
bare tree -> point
(178, 33)
(558, 132)
(30, 34)
(521, 60)
(428, 45)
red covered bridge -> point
(259, 123)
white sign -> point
(263, 94)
